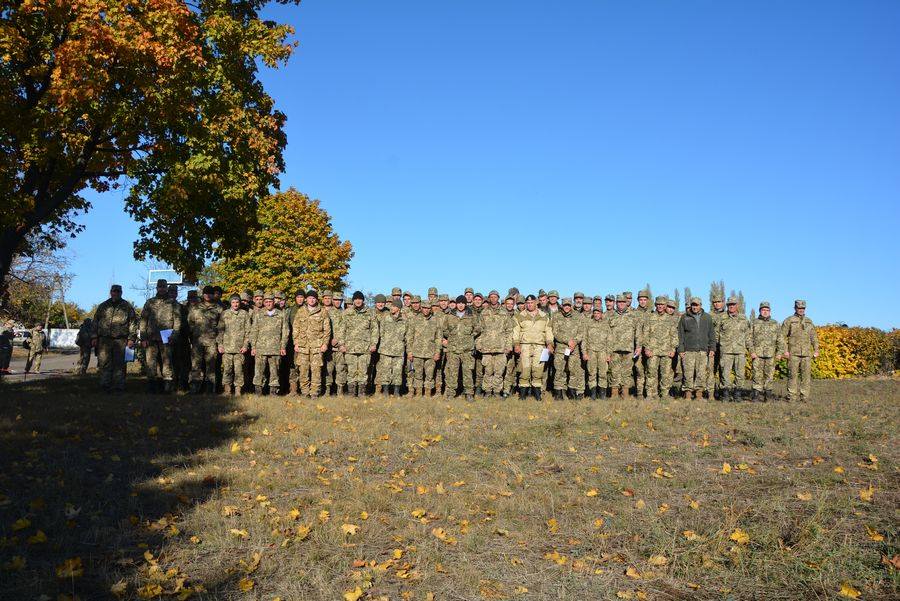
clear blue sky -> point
(592, 146)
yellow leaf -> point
(740, 537)
(598, 523)
(726, 468)
(324, 516)
(552, 525)
(70, 568)
(150, 590)
(866, 494)
(37, 538)
(363, 515)
(690, 535)
(195, 539)
(349, 529)
(294, 514)
(847, 590)
(245, 585)
(804, 496)
(153, 430)
(442, 535)
(658, 560)
(839, 470)
(874, 534)
(303, 531)
(639, 504)
(397, 554)
(21, 524)
(591, 493)
(632, 573)
(235, 447)
(694, 504)
(353, 595)
(119, 588)
(239, 533)
(311, 449)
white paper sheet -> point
(165, 335)
(129, 354)
(567, 352)
(545, 355)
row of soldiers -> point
(576, 347)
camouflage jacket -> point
(765, 338)
(423, 336)
(114, 320)
(717, 317)
(235, 330)
(596, 337)
(269, 333)
(160, 313)
(566, 327)
(532, 329)
(392, 341)
(311, 329)
(496, 334)
(461, 332)
(622, 331)
(660, 334)
(38, 341)
(640, 317)
(335, 316)
(359, 330)
(800, 336)
(203, 319)
(733, 334)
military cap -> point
(469, 291)
(530, 297)
(695, 300)
(626, 293)
(432, 290)
(717, 298)
(380, 298)
(191, 294)
(236, 297)
(610, 297)
(327, 293)
(207, 290)
(509, 296)
(645, 293)
(312, 293)
(245, 297)
(541, 292)
(520, 299)
(416, 299)
(407, 293)
(494, 293)
(461, 299)
(661, 300)
(258, 293)
(479, 295)
(589, 300)
(578, 295)
(115, 287)
(396, 291)
(173, 286)
(300, 293)
(732, 300)
(598, 309)
(671, 303)
(339, 296)
(513, 292)
(359, 295)
(553, 293)
(799, 304)
(621, 298)
(445, 297)
(426, 304)
(162, 282)
(764, 305)
(397, 303)
(567, 301)
(278, 294)
(269, 295)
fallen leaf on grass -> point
(726, 468)
(740, 537)
(349, 529)
(70, 568)
(804, 496)
(442, 535)
(874, 534)
(658, 560)
(353, 595)
(246, 585)
(847, 590)
(591, 493)
(867, 494)
(239, 533)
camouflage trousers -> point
(266, 368)
(439, 372)
(693, 364)
(84, 359)
(763, 374)
(33, 363)
(640, 379)
(531, 370)
(568, 368)
(456, 363)
(597, 368)
(728, 362)
(357, 368)
(111, 363)
(479, 370)
(620, 367)
(509, 377)
(390, 371)
(494, 365)
(158, 360)
(799, 377)
(712, 373)
(308, 370)
(422, 376)
(659, 375)
(335, 368)
(232, 370)
(204, 361)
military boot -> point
(470, 397)
(537, 391)
(602, 392)
(523, 392)
(194, 388)
(151, 386)
(167, 387)
(238, 391)
(392, 390)
(579, 395)
(258, 390)
(210, 388)
(686, 394)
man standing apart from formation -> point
(802, 346)
(37, 344)
(696, 344)
(83, 342)
(114, 329)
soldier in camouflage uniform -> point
(311, 329)
(423, 345)
(432, 297)
(595, 352)
(114, 328)
(289, 363)
(511, 371)
(802, 344)
(623, 339)
(568, 334)
(675, 315)
(494, 344)
(83, 341)
(335, 363)
(160, 313)
(441, 313)
(641, 313)
(733, 336)
(235, 325)
(36, 346)
(713, 364)
(532, 334)
(660, 341)
(357, 338)
(391, 349)
(206, 336)
(268, 342)
(255, 307)
(461, 328)
(766, 346)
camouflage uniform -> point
(115, 325)
(391, 350)
(622, 343)
(532, 333)
(423, 343)
(460, 333)
(235, 337)
(160, 313)
(206, 336)
(359, 332)
(36, 345)
(733, 336)
(802, 342)
(6, 346)
(83, 341)
(660, 338)
(335, 362)
(494, 343)
(595, 348)
(509, 378)
(441, 314)
(641, 314)
(713, 363)
(767, 343)
(268, 338)
(311, 331)
(569, 373)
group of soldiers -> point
(469, 345)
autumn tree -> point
(160, 96)
(295, 247)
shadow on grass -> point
(96, 474)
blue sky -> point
(592, 146)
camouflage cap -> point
(426, 304)
(338, 296)
(799, 304)
(578, 295)
(432, 290)
(513, 292)
(478, 295)
(245, 297)
(732, 300)
(269, 295)
(695, 300)
(416, 299)
(162, 282)
(258, 293)
(610, 297)
(407, 293)
(494, 293)
(627, 293)
(445, 297)
(234, 297)
(553, 293)
(380, 298)
(671, 303)
(398, 304)
(278, 294)
(469, 291)
(588, 300)
(117, 287)
(567, 301)
(395, 291)
(764, 305)
(327, 293)
(510, 296)
(645, 293)
(661, 300)
(520, 299)
(717, 297)
(541, 292)
(621, 298)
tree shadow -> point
(98, 477)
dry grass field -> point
(134, 496)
